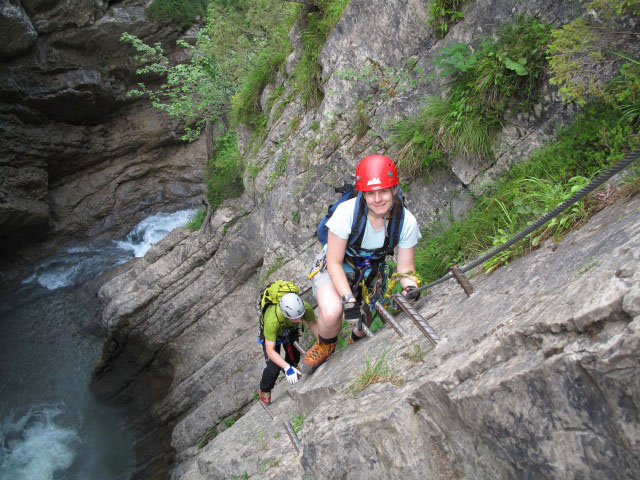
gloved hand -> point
(352, 311)
(292, 374)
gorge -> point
(538, 374)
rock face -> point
(78, 158)
(519, 385)
(537, 376)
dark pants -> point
(271, 371)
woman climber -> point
(361, 235)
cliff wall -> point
(80, 160)
(519, 387)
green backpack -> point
(272, 294)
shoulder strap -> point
(395, 224)
(359, 223)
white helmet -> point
(291, 305)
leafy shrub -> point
(320, 21)
(192, 93)
(296, 422)
(584, 50)
(196, 222)
(245, 104)
(181, 13)
(485, 83)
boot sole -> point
(307, 369)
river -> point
(51, 425)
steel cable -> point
(595, 183)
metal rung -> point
(266, 409)
(420, 322)
(462, 279)
(299, 348)
(292, 436)
(366, 331)
(388, 318)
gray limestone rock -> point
(537, 375)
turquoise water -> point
(51, 425)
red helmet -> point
(376, 172)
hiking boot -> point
(265, 397)
(316, 356)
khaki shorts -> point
(319, 275)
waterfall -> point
(51, 425)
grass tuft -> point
(373, 372)
(224, 172)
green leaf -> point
(517, 67)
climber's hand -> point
(352, 311)
(407, 292)
(292, 374)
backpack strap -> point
(359, 222)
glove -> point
(292, 374)
(352, 311)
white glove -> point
(292, 374)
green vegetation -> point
(245, 106)
(268, 463)
(241, 31)
(307, 80)
(296, 422)
(276, 265)
(361, 121)
(223, 176)
(216, 429)
(443, 14)
(207, 437)
(244, 476)
(606, 130)
(261, 440)
(373, 372)
(193, 93)
(583, 49)
(495, 76)
(416, 354)
(593, 142)
(592, 264)
(196, 222)
(281, 168)
(181, 13)
(308, 74)
(343, 336)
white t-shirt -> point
(340, 225)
